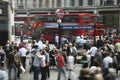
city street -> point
(70, 24)
(53, 73)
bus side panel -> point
(80, 32)
(49, 37)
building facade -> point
(36, 4)
(6, 21)
(109, 9)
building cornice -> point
(70, 9)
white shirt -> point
(107, 60)
(93, 51)
(56, 39)
(77, 38)
(22, 51)
(29, 46)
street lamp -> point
(21, 33)
(59, 14)
(95, 20)
(59, 32)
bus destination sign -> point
(77, 27)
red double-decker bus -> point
(80, 23)
(24, 21)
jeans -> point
(47, 71)
(23, 60)
(10, 68)
(62, 70)
(36, 73)
(43, 73)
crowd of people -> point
(100, 61)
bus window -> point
(20, 18)
(45, 18)
(47, 31)
(86, 18)
(70, 19)
(54, 19)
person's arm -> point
(16, 60)
(89, 52)
(47, 58)
(38, 55)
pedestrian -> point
(72, 49)
(106, 64)
(23, 53)
(70, 65)
(107, 60)
(3, 73)
(2, 56)
(100, 42)
(60, 62)
(47, 61)
(33, 52)
(36, 63)
(17, 62)
(42, 57)
(7, 47)
(52, 54)
(84, 60)
(56, 41)
(93, 53)
(117, 49)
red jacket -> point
(60, 61)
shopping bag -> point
(22, 70)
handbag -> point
(22, 70)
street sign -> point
(59, 13)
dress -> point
(70, 62)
